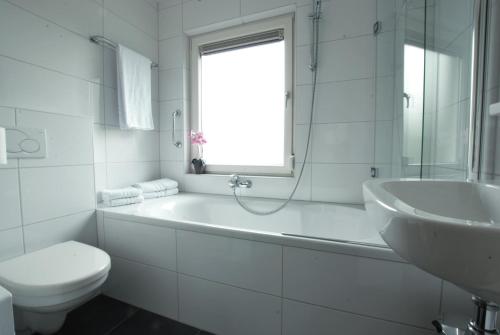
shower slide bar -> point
(105, 42)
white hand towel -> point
(160, 194)
(157, 185)
(127, 192)
(134, 89)
(124, 201)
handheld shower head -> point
(317, 10)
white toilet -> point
(48, 283)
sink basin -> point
(450, 229)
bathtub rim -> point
(341, 247)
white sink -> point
(450, 229)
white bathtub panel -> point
(148, 287)
(227, 310)
(247, 264)
(387, 290)
(141, 243)
(300, 319)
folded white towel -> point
(160, 194)
(119, 193)
(124, 201)
(157, 185)
(134, 89)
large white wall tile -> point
(80, 16)
(173, 170)
(139, 13)
(347, 59)
(69, 139)
(163, 4)
(382, 289)
(169, 152)
(342, 19)
(148, 287)
(8, 119)
(167, 108)
(79, 227)
(127, 173)
(132, 145)
(120, 31)
(242, 263)
(343, 143)
(257, 6)
(227, 310)
(300, 319)
(56, 191)
(142, 243)
(346, 101)
(10, 203)
(44, 43)
(173, 53)
(201, 13)
(11, 243)
(170, 22)
(339, 182)
(31, 87)
(171, 84)
(99, 142)
(100, 179)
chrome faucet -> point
(236, 181)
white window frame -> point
(284, 22)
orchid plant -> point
(198, 139)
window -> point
(241, 97)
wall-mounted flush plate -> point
(26, 143)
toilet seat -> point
(55, 275)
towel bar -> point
(105, 42)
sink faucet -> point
(235, 181)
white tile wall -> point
(51, 192)
(9, 199)
(79, 227)
(343, 135)
(56, 79)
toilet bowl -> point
(49, 283)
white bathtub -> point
(332, 226)
(204, 261)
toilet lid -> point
(57, 269)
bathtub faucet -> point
(237, 181)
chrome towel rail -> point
(106, 42)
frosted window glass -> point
(243, 106)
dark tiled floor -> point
(106, 316)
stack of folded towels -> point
(158, 188)
(121, 196)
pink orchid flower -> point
(197, 138)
